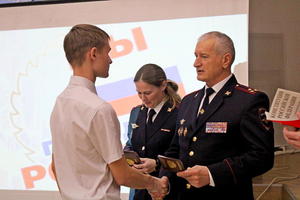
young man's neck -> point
(84, 71)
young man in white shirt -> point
(88, 160)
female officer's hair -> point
(80, 39)
(155, 75)
(224, 43)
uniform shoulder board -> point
(141, 107)
(138, 106)
(194, 93)
(245, 89)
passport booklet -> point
(171, 164)
(132, 157)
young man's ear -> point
(93, 53)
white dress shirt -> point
(217, 87)
(85, 139)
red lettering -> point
(123, 47)
(32, 174)
(139, 39)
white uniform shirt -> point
(217, 87)
(85, 139)
(156, 109)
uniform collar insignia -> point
(142, 108)
(134, 126)
(227, 93)
(201, 111)
(251, 90)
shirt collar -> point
(217, 87)
(83, 82)
(159, 106)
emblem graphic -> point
(171, 164)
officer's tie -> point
(150, 116)
(149, 125)
(208, 92)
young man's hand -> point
(160, 188)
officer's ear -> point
(164, 85)
(226, 60)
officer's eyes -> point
(201, 55)
(144, 93)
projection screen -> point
(35, 71)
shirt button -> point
(188, 186)
(191, 153)
(194, 139)
(143, 148)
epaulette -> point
(245, 89)
(194, 93)
(141, 106)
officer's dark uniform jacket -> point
(155, 142)
(232, 138)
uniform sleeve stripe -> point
(233, 174)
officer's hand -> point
(148, 165)
(160, 189)
(197, 176)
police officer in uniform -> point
(222, 136)
(154, 128)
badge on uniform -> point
(227, 93)
(182, 121)
(134, 126)
(216, 127)
(180, 131)
(263, 119)
(185, 131)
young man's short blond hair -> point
(80, 39)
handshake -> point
(159, 188)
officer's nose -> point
(144, 98)
(140, 96)
(197, 62)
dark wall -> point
(274, 48)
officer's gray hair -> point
(224, 43)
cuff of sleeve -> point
(211, 180)
(157, 162)
(169, 188)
